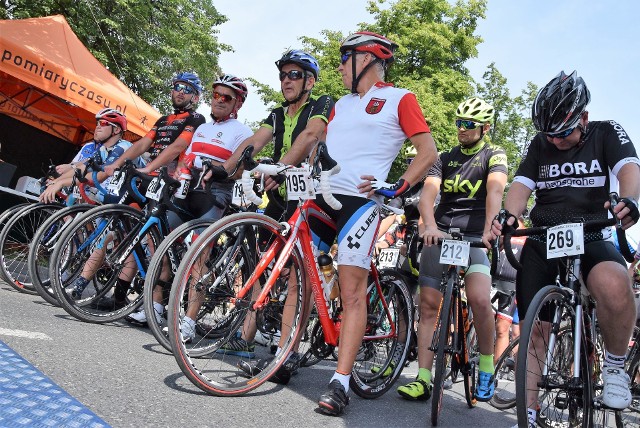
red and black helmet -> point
(113, 116)
(366, 41)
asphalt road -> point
(123, 376)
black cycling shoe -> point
(334, 401)
(281, 377)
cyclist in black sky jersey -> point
(471, 179)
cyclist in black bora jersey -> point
(568, 164)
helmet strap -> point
(356, 79)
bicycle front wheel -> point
(505, 394)
(41, 249)
(220, 357)
(446, 320)
(545, 364)
(161, 273)
(385, 347)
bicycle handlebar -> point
(323, 166)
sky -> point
(529, 40)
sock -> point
(80, 283)
(611, 360)
(425, 375)
(159, 308)
(486, 364)
(343, 378)
(120, 291)
(191, 323)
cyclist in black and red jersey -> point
(569, 164)
(471, 179)
(171, 134)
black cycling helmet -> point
(559, 105)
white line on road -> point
(23, 333)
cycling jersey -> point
(217, 140)
(504, 270)
(365, 134)
(576, 182)
(463, 188)
(169, 128)
(286, 129)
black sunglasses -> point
(184, 88)
(292, 75)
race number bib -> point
(299, 183)
(453, 252)
(116, 182)
(155, 189)
(388, 258)
(565, 240)
(238, 198)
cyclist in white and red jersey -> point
(365, 133)
(569, 164)
(215, 141)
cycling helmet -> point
(304, 60)
(233, 82)
(560, 104)
(366, 41)
(475, 109)
(190, 78)
(113, 116)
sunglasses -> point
(104, 123)
(467, 124)
(292, 75)
(217, 96)
(563, 134)
(184, 88)
(345, 56)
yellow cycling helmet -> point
(475, 109)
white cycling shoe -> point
(615, 392)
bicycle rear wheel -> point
(505, 394)
(471, 356)
(15, 238)
(387, 337)
(445, 345)
(161, 273)
(91, 246)
(211, 274)
(561, 400)
(42, 245)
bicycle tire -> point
(218, 373)
(471, 359)
(505, 374)
(445, 320)
(42, 247)
(15, 239)
(381, 361)
(175, 242)
(559, 402)
(87, 232)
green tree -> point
(143, 43)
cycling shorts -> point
(431, 270)
(541, 272)
(357, 225)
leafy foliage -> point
(143, 43)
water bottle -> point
(185, 179)
(326, 267)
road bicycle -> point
(565, 372)
(109, 241)
(270, 257)
(451, 339)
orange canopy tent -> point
(50, 80)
